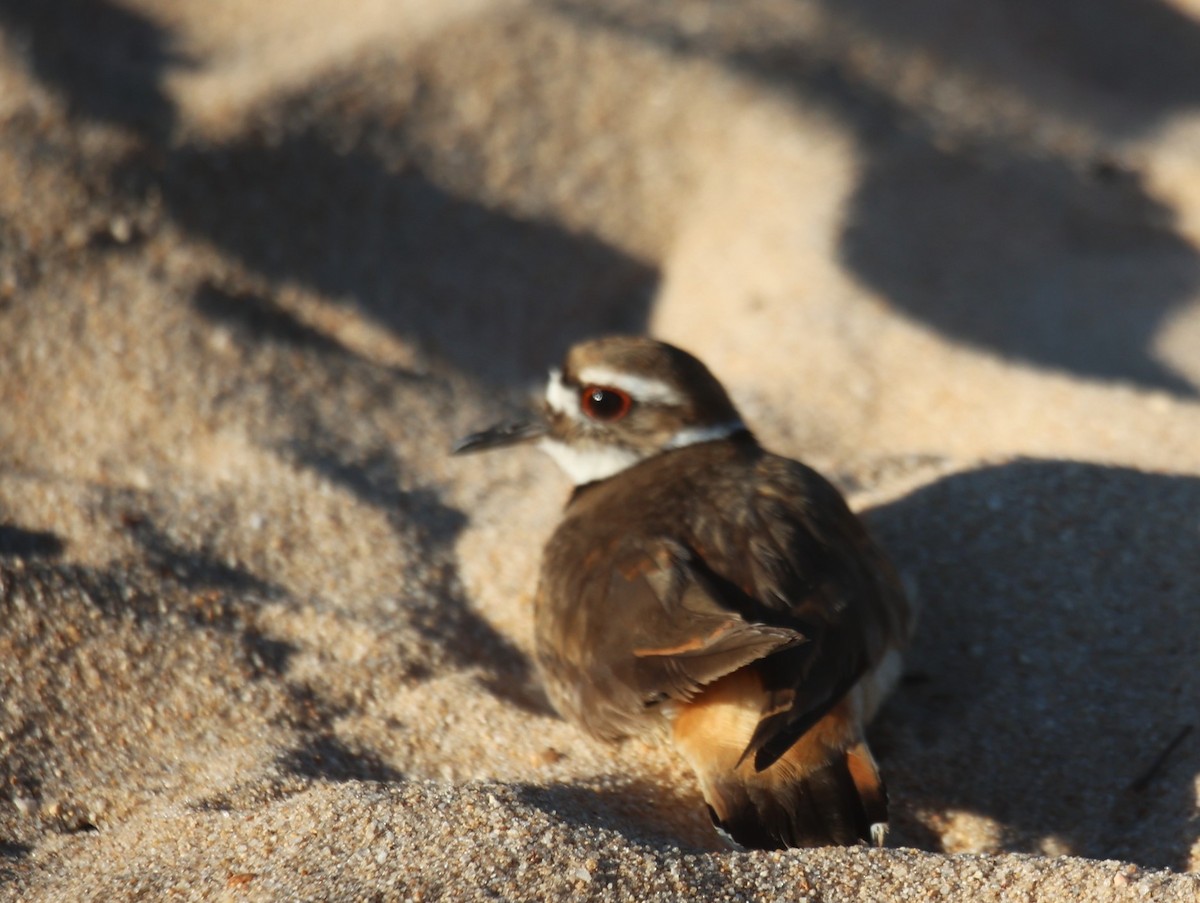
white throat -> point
(589, 463)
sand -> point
(261, 263)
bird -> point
(701, 589)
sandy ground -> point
(260, 263)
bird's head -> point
(617, 401)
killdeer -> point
(702, 587)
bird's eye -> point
(604, 403)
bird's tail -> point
(825, 789)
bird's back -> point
(731, 596)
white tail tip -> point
(879, 833)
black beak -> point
(499, 436)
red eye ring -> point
(604, 403)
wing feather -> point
(786, 580)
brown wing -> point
(808, 563)
(653, 628)
(635, 611)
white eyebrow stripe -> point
(694, 435)
(562, 398)
(640, 388)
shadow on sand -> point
(1055, 658)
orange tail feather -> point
(825, 789)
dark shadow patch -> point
(265, 655)
(321, 754)
(55, 607)
(260, 319)
(470, 643)
(106, 60)
(167, 580)
(325, 757)
(442, 616)
(645, 814)
(10, 849)
(1142, 782)
(363, 460)
(1138, 58)
(21, 543)
(198, 568)
(303, 379)
(1028, 258)
(1124, 66)
(374, 478)
(112, 591)
(1058, 637)
(79, 826)
(217, 803)
(406, 252)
